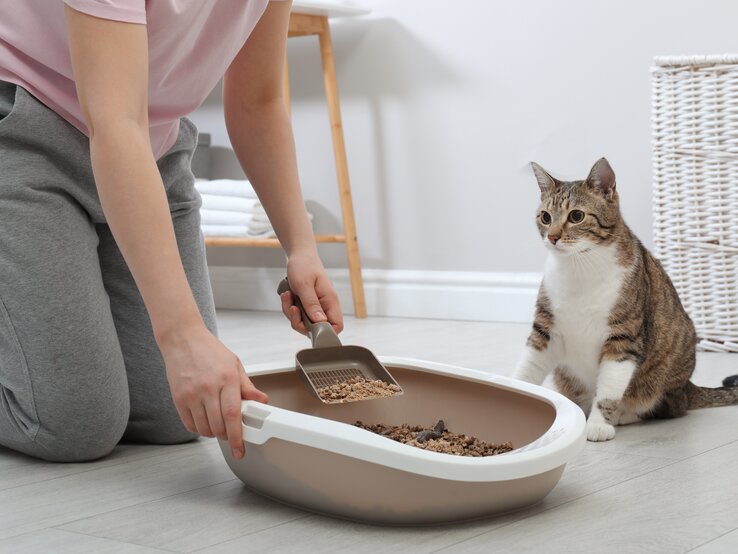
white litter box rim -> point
(562, 441)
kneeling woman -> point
(107, 325)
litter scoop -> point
(328, 362)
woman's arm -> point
(110, 63)
(261, 133)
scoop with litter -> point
(334, 373)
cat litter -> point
(357, 388)
(438, 439)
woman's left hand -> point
(308, 279)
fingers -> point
(186, 416)
(310, 302)
(329, 301)
(319, 299)
(230, 402)
(286, 298)
(201, 420)
(207, 383)
(333, 310)
(296, 320)
(292, 313)
(250, 392)
(220, 413)
(214, 411)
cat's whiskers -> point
(582, 263)
(588, 260)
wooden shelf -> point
(264, 243)
(310, 17)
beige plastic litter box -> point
(309, 454)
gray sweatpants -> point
(79, 368)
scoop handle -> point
(321, 333)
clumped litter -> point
(438, 439)
(357, 388)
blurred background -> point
(444, 104)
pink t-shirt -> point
(191, 44)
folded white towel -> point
(260, 222)
(225, 230)
(226, 187)
(266, 234)
(233, 222)
(257, 227)
(234, 231)
(223, 217)
(230, 203)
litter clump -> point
(438, 439)
(357, 388)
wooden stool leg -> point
(339, 153)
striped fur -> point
(608, 322)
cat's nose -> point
(554, 238)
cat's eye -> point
(545, 218)
(576, 216)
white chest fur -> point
(582, 290)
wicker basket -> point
(695, 149)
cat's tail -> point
(705, 397)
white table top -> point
(327, 7)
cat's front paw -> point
(597, 432)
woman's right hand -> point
(208, 383)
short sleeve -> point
(129, 11)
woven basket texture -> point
(695, 202)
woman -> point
(107, 325)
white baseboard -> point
(504, 297)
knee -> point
(87, 430)
(174, 435)
(63, 448)
(164, 430)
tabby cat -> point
(608, 321)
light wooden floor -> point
(669, 486)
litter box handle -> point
(262, 423)
(321, 333)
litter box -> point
(303, 452)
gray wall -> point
(444, 103)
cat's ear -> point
(602, 178)
(545, 182)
